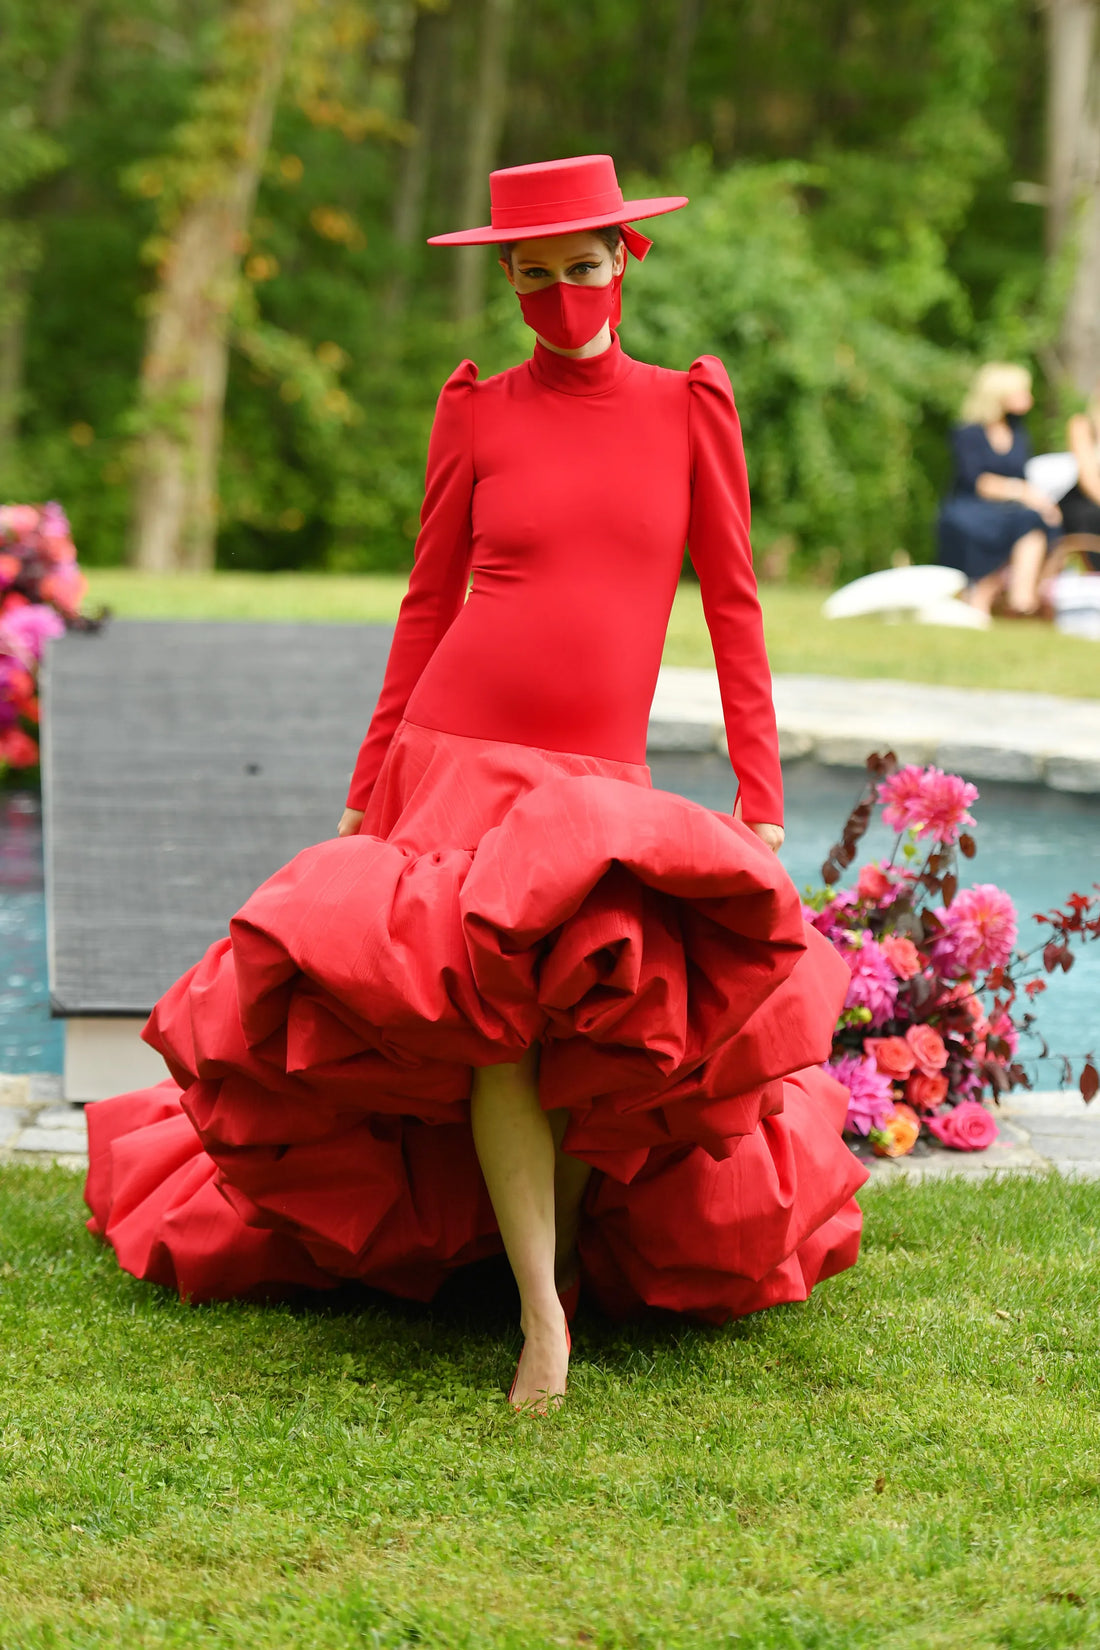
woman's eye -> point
(535, 274)
(582, 269)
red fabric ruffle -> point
(316, 1125)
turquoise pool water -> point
(1041, 845)
(29, 1039)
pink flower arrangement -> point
(41, 588)
(927, 1026)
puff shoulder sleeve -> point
(718, 539)
(440, 575)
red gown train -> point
(506, 891)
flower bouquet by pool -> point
(41, 588)
(931, 1023)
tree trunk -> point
(483, 138)
(424, 84)
(1073, 179)
(183, 372)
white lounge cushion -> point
(895, 590)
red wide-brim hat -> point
(555, 197)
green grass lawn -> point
(912, 1459)
(1024, 657)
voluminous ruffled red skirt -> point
(315, 1126)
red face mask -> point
(569, 316)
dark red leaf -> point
(967, 846)
(950, 887)
(1089, 1082)
(829, 873)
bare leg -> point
(1024, 568)
(516, 1149)
(984, 592)
(571, 1176)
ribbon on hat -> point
(634, 241)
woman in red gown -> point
(523, 1000)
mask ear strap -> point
(637, 245)
(635, 242)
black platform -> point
(182, 764)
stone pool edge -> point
(1018, 738)
(1040, 1133)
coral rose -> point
(929, 1051)
(17, 748)
(873, 883)
(902, 955)
(892, 1055)
(926, 1092)
(898, 1135)
(968, 1128)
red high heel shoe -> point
(570, 1299)
(515, 1378)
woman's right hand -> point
(1044, 506)
(350, 821)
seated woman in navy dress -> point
(995, 526)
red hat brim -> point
(627, 213)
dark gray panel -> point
(182, 764)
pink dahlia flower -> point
(832, 917)
(29, 627)
(874, 984)
(927, 801)
(18, 518)
(980, 929)
(871, 1094)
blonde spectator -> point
(996, 527)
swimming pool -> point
(29, 1039)
(1039, 844)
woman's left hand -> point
(770, 835)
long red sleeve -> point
(441, 571)
(718, 539)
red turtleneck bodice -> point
(569, 489)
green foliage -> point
(907, 1460)
(852, 247)
(831, 382)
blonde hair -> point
(992, 385)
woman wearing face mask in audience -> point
(525, 1001)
